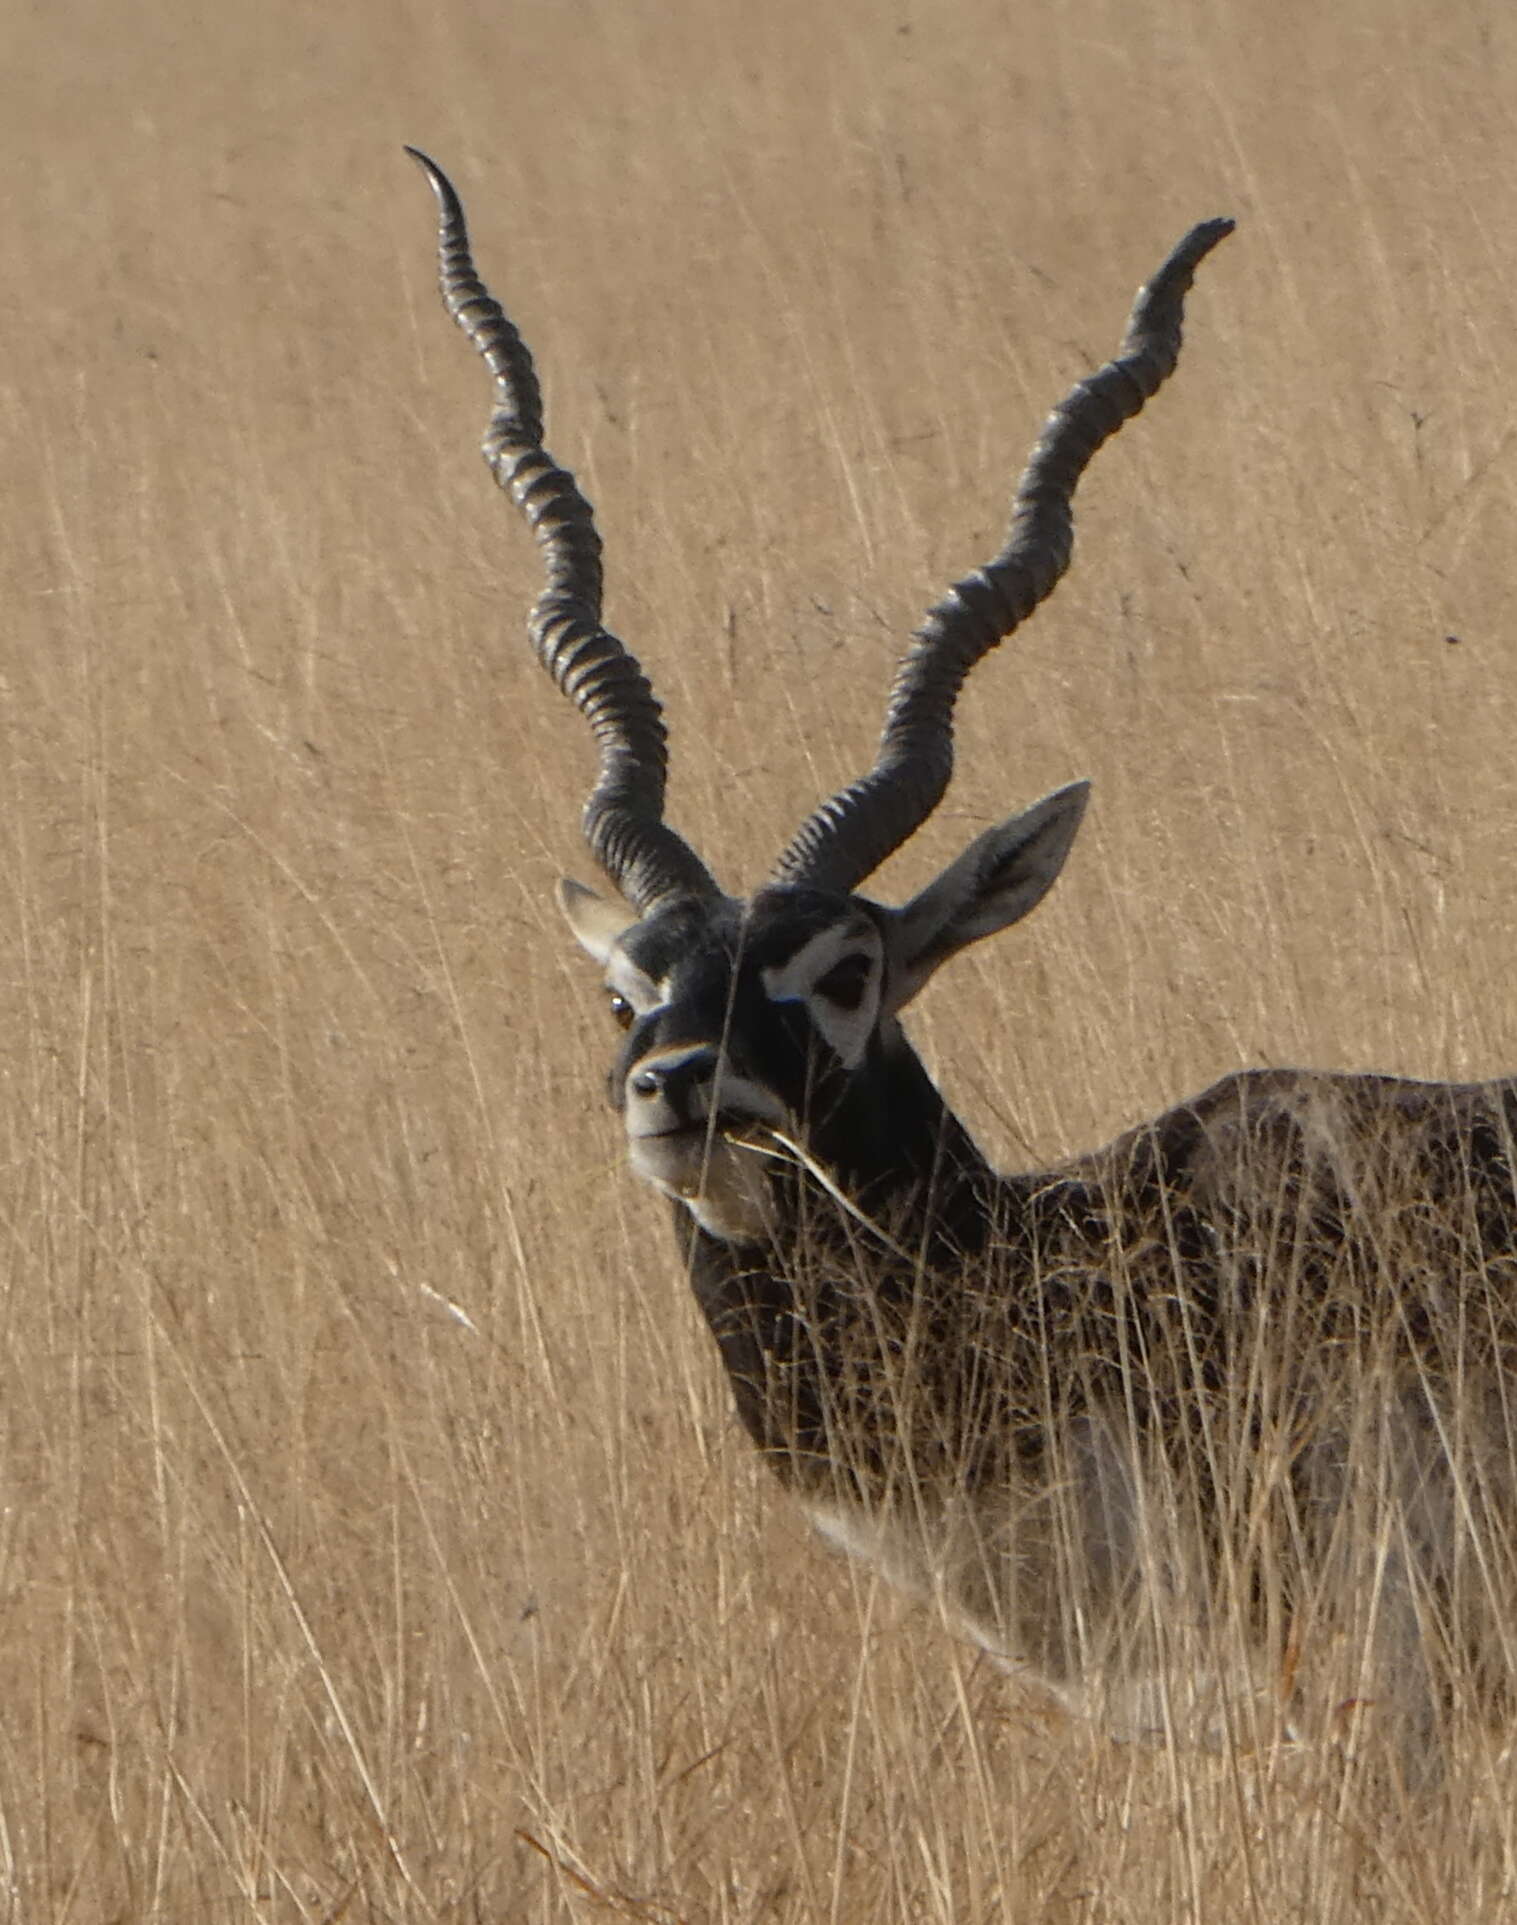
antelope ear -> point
(1002, 875)
(597, 924)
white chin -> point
(721, 1183)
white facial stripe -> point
(795, 981)
(714, 1090)
(624, 978)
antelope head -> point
(762, 1028)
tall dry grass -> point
(374, 1540)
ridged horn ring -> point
(623, 817)
(850, 835)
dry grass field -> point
(375, 1539)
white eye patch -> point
(625, 979)
(837, 976)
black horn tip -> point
(1200, 241)
(442, 187)
(1175, 272)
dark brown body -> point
(1246, 1370)
(1259, 1337)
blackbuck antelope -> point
(1243, 1370)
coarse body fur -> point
(1244, 1371)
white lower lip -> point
(693, 1133)
(727, 1125)
(691, 1148)
(717, 1176)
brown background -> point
(374, 1541)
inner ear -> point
(597, 923)
(1001, 876)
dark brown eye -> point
(845, 983)
(622, 1010)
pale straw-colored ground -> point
(375, 1542)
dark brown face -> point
(742, 1021)
(748, 1023)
